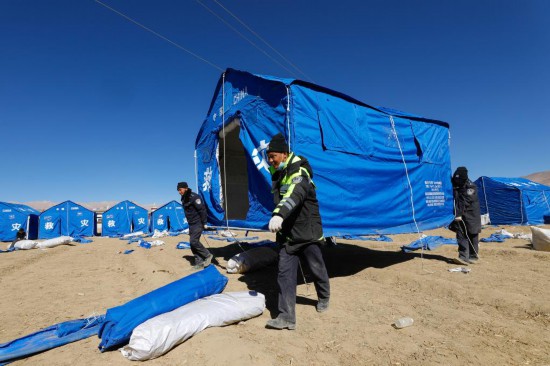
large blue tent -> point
(14, 216)
(169, 217)
(513, 201)
(67, 218)
(376, 170)
(123, 218)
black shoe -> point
(197, 267)
(462, 261)
(322, 305)
(279, 323)
(208, 260)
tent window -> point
(431, 141)
(234, 174)
(345, 127)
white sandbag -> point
(541, 239)
(160, 334)
(159, 234)
(25, 244)
(251, 260)
(156, 243)
(50, 243)
(137, 233)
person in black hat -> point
(195, 213)
(467, 222)
(297, 222)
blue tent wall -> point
(513, 201)
(169, 217)
(67, 218)
(363, 157)
(123, 218)
(14, 216)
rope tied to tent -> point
(392, 122)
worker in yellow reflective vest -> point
(297, 222)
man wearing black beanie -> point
(467, 222)
(195, 213)
(297, 222)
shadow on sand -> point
(341, 260)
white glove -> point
(275, 224)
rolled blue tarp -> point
(120, 321)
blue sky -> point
(95, 108)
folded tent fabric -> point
(121, 320)
(497, 238)
(48, 338)
(428, 242)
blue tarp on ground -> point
(67, 218)
(362, 157)
(121, 320)
(513, 201)
(428, 243)
(169, 217)
(48, 338)
(496, 238)
(14, 216)
(124, 218)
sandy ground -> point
(498, 314)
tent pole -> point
(485, 194)
(224, 156)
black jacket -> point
(195, 210)
(466, 203)
(296, 202)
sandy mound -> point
(499, 313)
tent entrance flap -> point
(234, 173)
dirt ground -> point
(498, 314)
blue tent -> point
(169, 217)
(376, 170)
(14, 216)
(513, 201)
(67, 218)
(123, 218)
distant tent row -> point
(514, 201)
(72, 219)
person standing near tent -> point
(467, 222)
(20, 235)
(195, 213)
(297, 222)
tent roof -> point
(65, 202)
(290, 81)
(166, 204)
(20, 208)
(125, 201)
(521, 184)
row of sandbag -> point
(49, 243)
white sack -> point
(137, 233)
(156, 243)
(160, 334)
(50, 243)
(541, 239)
(25, 244)
(251, 260)
(159, 234)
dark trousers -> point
(198, 250)
(468, 244)
(287, 278)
